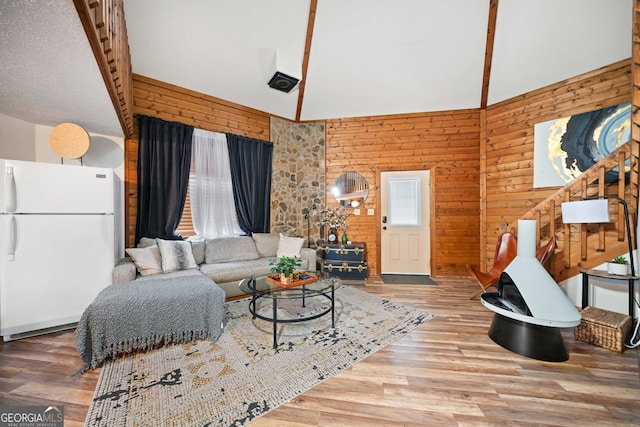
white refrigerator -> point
(56, 244)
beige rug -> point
(240, 377)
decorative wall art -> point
(566, 147)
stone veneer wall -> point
(298, 177)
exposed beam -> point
(307, 51)
(488, 54)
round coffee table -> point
(260, 289)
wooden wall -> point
(447, 143)
(481, 161)
(507, 173)
(635, 107)
(172, 103)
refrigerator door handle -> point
(11, 201)
(13, 239)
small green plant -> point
(285, 265)
(619, 260)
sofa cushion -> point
(176, 255)
(266, 243)
(147, 260)
(228, 249)
(289, 246)
(235, 271)
(198, 250)
(180, 273)
(224, 272)
(124, 271)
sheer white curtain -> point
(212, 209)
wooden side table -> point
(604, 275)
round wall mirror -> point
(350, 189)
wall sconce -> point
(594, 210)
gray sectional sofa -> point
(225, 260)
(173, 291)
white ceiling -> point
(368, 57)
(48, 74)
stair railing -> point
(580, 246)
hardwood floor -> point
(447, 372)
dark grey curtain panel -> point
(164, 160)
(250, 162)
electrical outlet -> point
(356, 211)
(370, 212)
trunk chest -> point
(347, 261)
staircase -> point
(581, 246)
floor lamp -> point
(593, 210)
(307, 215)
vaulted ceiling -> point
(365, 57)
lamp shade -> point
(585, 211)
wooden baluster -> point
(567, 234)
(601, 192)
(105, 26)
(552, 219)
(106, 35)
(583, 227)
(92, 12)
(100, 16)
(622, 232)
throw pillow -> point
(267, 244)
(289, 246)
(145, 242)
(147, 260)
(229, 249)
(176, 255)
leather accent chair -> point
(506, 251)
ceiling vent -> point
(285, 72)
(283, 82)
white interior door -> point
(405, 215)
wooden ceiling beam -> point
(307, 52)
(488, 54)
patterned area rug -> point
(241, 377)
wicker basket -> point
(604, 328)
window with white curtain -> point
(404, 201)
(211, 206)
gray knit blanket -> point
(142, 315)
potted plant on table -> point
(286, 267)
(618, 266)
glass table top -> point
(259, 285)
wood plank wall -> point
(635, 107)
(172, 103)
(447, 143)
(481, 160)
(507, 177)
